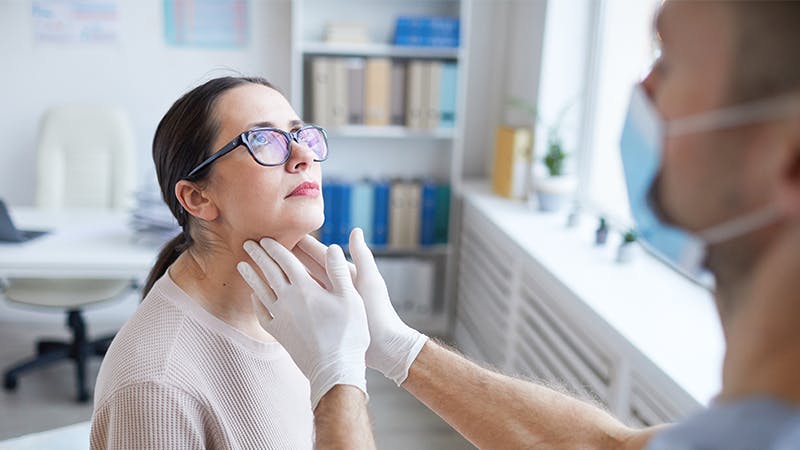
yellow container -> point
(513, 155)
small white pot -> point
(555, 193)
(626, 252)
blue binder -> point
(380, 224)
(361, 207)
(427, 31)
(442, 214)
(326, 233)
(342, 215)
(428, 213)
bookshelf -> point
(379, 50)
(390, 132)
(441, 250)
(391, 151)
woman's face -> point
(255, 201)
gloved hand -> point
(394, 345)
(324, 329)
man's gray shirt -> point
(754, 424)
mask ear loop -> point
(749, 113)
(744, 114)
(740, 226)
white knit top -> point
(176, 376)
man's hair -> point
(766, 58)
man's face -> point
(707, 177)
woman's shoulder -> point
(212, 334)
(149, 411)
(143, 348)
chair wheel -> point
(10, 382)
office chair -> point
(85, 159)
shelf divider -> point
(389, 132)
(377, 49)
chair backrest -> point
(86, 158)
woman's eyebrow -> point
(267, 124)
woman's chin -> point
(300, 228)
(290, 232)
(289, 240)
(317, 224)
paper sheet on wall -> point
(75, 21)
(205, 23)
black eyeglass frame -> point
(291, 136)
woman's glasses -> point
(272, 146)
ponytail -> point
(168, 254)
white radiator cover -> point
(513, 314)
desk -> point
(81, 244)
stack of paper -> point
(152, 219)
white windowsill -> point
(669, 319)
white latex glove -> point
(394, 345)
(324, 329)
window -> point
(623, 50)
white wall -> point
(144, 75)
(139, 73)
(505, 55)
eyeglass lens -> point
(271, 147)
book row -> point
(427, 31)
(398, 214)
(418, 94)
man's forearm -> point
(494, 411)
(341, 420)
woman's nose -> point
(300, 158)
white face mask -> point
(642, 147)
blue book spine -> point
(326, 233)
(428, 213)
(409, 40)
(447, 95)
(443, 32)
(380, 227)
(343, 215)
(442, 219)
(427, 31)
(361, 208)
(408, 26)
(436, 41)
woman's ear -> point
(196, 201)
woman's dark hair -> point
(183, 140)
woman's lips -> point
(307, 189)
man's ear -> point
(789, 184)
(196, 201)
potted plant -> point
(626, 247)
(555, 189)
(601, 233)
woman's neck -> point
(212, 280)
